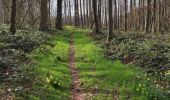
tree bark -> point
(76, 8)
(1, 12)
(13, 17)
(148, 21)
(126, 22)
(44, 16)
(95, 17)
(115, 15)
(59, 14)
(110, 34)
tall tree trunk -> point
(160, 15)
(115, 15)
(154, 16)
(99, 13)
(49, 12)
(91, 14)
(118, 18)
(81, 13)
(65, 12)
(84, 12)
(76, 13)
(95, 16)
(148, 20)
(6, 11)
(44, 16)
(110, 34)
(13, 17)
(143, 19)
(70, 17)
(87, 12)
(131, 14)
(140, 5)
(1, 12)
(126, 21)
(59, 14)
(106, 13)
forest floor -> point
(75, 74)
(79, 70)
(72, 65)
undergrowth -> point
(103, 78)
(14, 49)
(52, 70)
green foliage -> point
(25, 40)
(145, 51)
(4, 27)
(14, 47)
(100, 76)
(13, 56)
(152, 87)
(51, 70)
(151, 52)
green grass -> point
(53, 74)
(97, 72)
(102, 79)
(107, 78)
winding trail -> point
(76, 91)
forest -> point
(84, 49)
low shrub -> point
(140, 49)
(13, 54)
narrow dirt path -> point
(76, 91)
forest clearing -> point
(84, 50)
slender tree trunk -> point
(44, 16)
(154, 16)
(1, 12)
(160, 16)
(118, 18)
(84, 12)
(106, 13)
(143, 21)
(115, 15)
(70, 16)
(110, 34)
(59, 14)
(91, 14)
(6, 11)
(76, 13)
(126, 21)
(95, 17)
(49, 12)
(99, 13)
(87, 12)
(148, 21)
(81, 13)
(140, 2)
(13, 17)
(65, 12)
